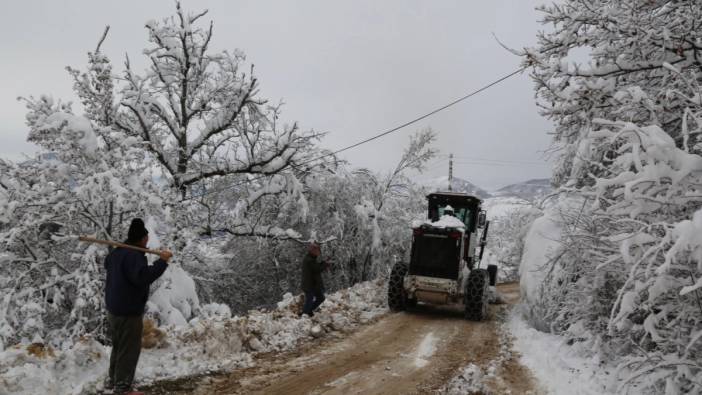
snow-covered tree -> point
(153, 145)
(338, 202)
(628, 127)
(78, 186)
(382, 220)
(199, 113)
(90, 181)
(505, 240)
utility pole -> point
(450, 172)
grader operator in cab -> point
(444, 267)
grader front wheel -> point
(476, 295)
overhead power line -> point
(510, 161)
(375, 137)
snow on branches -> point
(642, 56)
(628, 127)
(191, 147)
(198, 113)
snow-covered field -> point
(200, 346)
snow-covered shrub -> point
(628, 127)
(510, 219)
(174, 300)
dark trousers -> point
(126, 347)
(312, 300)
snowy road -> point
(416, 352)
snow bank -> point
(215, 343)
(24, 370)
(559, 368)
(541, 245)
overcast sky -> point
(352, 68)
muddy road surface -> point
(415, 352)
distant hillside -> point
(527, 190)
(458, 185)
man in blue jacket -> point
(126, 291)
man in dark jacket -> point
(126, 290)
(312, 284)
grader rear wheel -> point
(397, 297)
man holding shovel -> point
(126, 290)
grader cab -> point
(444, 265)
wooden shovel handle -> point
(116, 244)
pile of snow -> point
(174, 301)
(560, 368)
(216, 343)
(446, 221)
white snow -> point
(498, 207)
(446, 221)
(541, 244)
(77, 127)
(468, 381)
(175, 299)
(425, 350)
(559, 368)
(216, 343)
(343, 379)
(153, 227)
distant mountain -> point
(527, 190)
(457, 185)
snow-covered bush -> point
(510, 219)
(627, 126)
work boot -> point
(108, 387)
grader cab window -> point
(465, 207)
(462, 213)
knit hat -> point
(137, 230)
